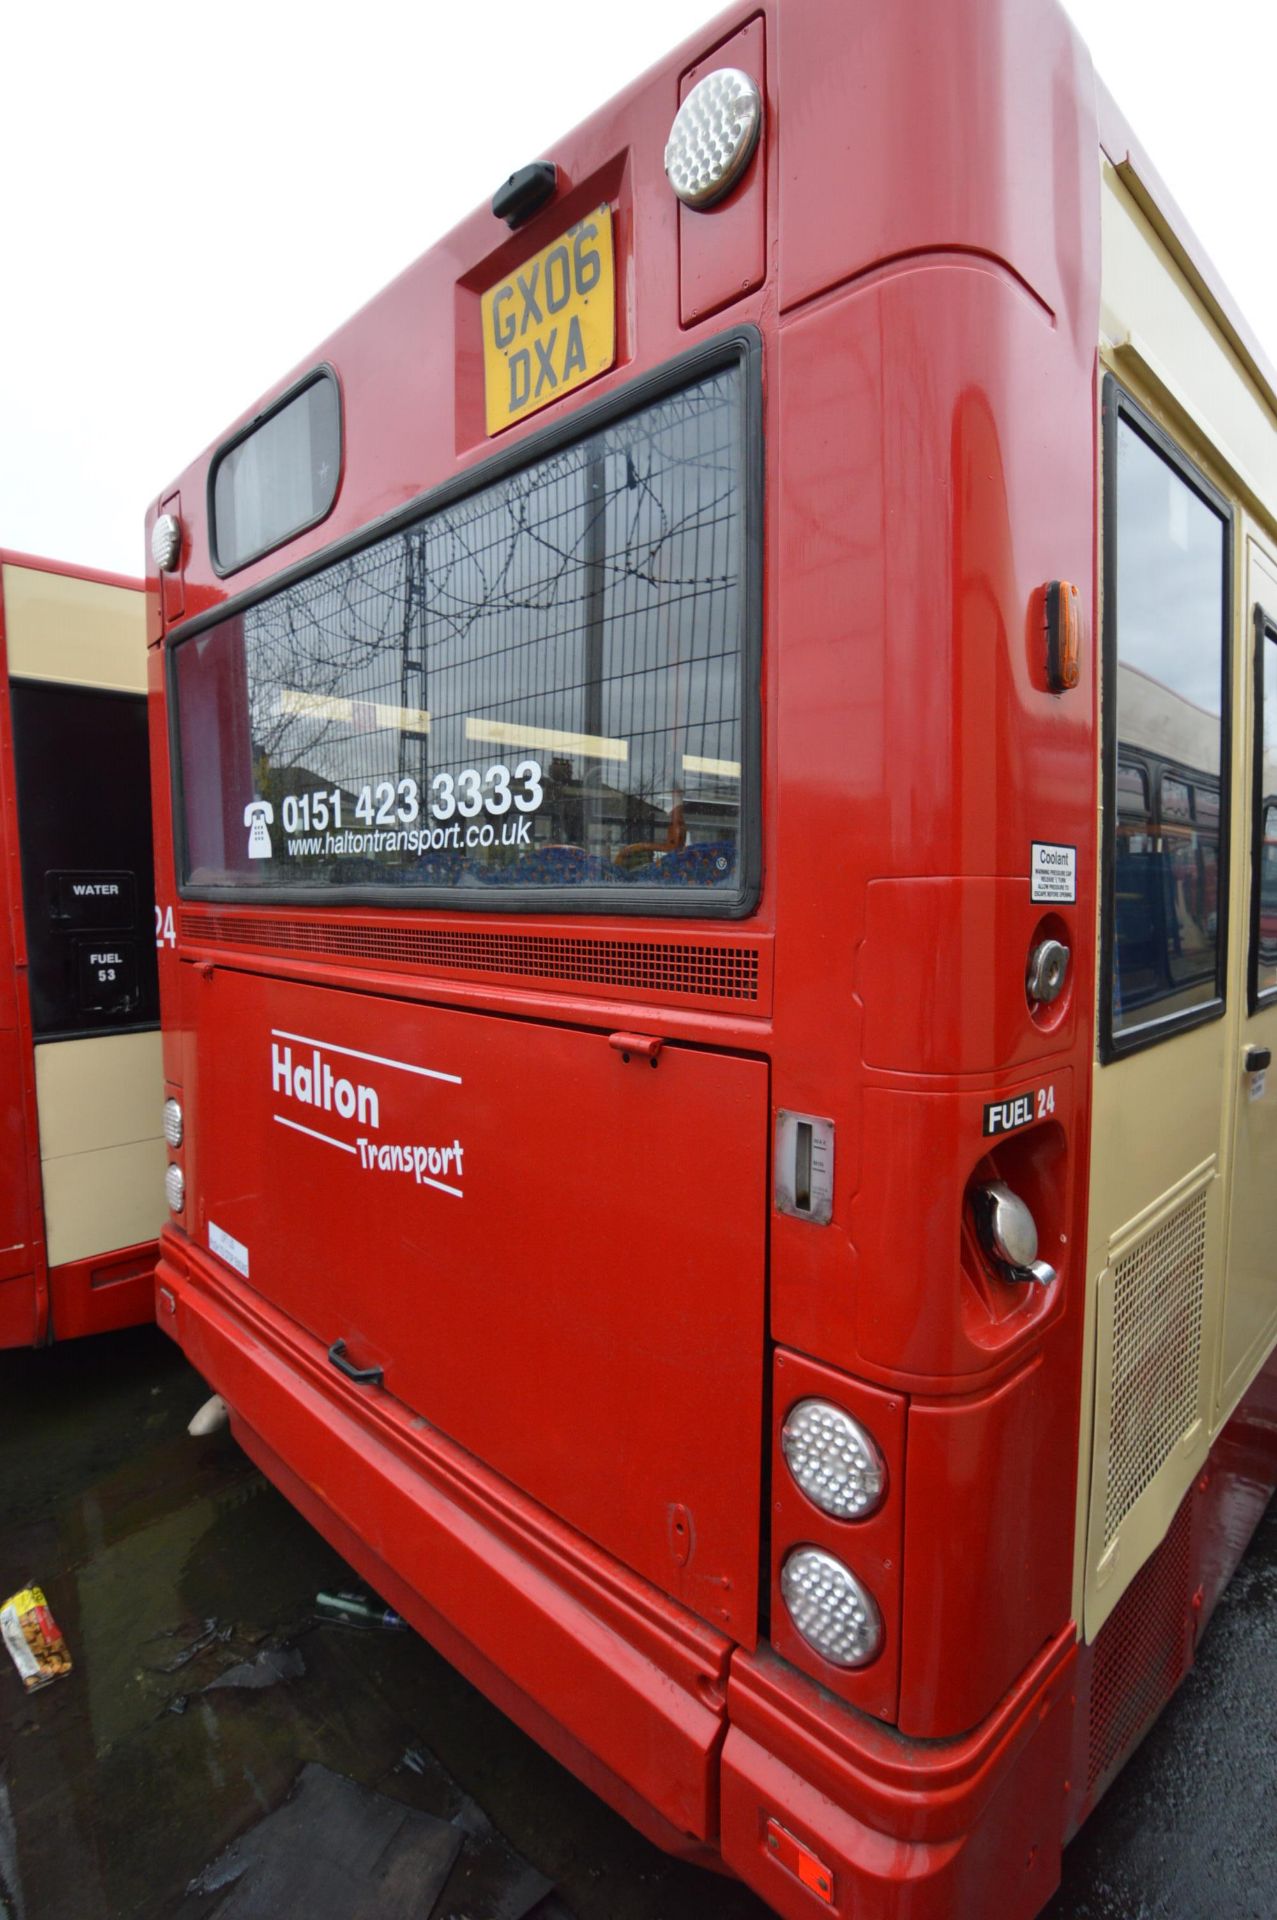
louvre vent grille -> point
(1157, 1339)
(1141, 1652)
(646, 966)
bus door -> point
(1250, 1304)
(1158, 1196)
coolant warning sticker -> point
(1052, 873)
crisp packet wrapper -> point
(34, 1639)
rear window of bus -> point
(539, 688)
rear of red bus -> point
(605, 701)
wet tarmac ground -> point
(169, 1563)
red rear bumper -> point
(695, 1741)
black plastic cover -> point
(525, 192)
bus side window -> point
(1167, 536)
(1263, 948)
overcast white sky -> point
(193, 197)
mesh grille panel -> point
(644, 966)
(1157, 1336)
(1141, 1652)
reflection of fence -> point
(1166, 878)
(588, 605)
(1268, 884)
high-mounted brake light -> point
(714, 133)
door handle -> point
(366, 1376)
(1257, 1058)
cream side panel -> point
(1250, 1302)
(1159, 333)
(82, 631)
(1161, 1143)
(102, 1156)
(1155, 1261)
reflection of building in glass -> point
(1166, 846)
(572, 632)
(1169, 563)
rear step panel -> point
(612, 1367)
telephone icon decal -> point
(258, 815)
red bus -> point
(80, 1071)
(690, 1166)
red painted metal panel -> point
(19, 1312)
(379, 1153)
(722, 252)
(504, 1588)
(104, 1292)
(938, 125)
(929, 1831)
(945, 1318)
(24, 1299)
(986, 1585)
(931, 947)
(16, 1251)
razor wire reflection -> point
(586, 610)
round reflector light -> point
(172, 1123)
(834, 1613)
(834, 1461)
(166, 542)
(714, 133)
(175, 1189)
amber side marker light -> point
(1063, 635)
(791, 1853)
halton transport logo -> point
(314, 1074)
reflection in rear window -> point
(1166, 879)
(280, 477)
(539, 687)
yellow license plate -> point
(552, 325)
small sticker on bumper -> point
(228, 1248)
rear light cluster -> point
(835, 1462)
(837, 1465)
(835, 1614)
(174, 1179)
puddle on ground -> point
(111, 1805)
(141, 1536)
